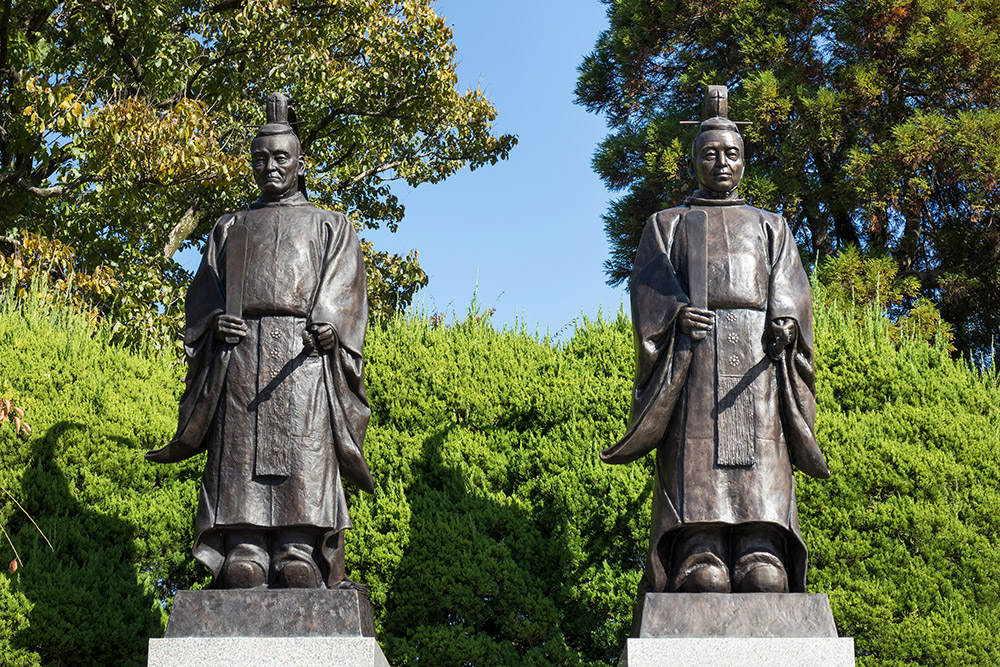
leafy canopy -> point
(125, 126)
(874, 125)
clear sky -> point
(528, 229)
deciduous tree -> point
(124, 126)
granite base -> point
(266, 652)
(738, 630)
(739, 652)
(308, 627)
(288, 612)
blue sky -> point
(528, 229)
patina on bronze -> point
(275, 392)
(724, 383)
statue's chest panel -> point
(738, 258)
(282, 265)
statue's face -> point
(718, 160)
(277, 164)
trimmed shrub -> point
(120, 529)
(495, 536)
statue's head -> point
(717, 153)
(717, 156)
(276, 154)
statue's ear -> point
(302, 164)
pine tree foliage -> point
(874, 124)
(495, 537)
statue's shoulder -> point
(769, 219)
(333, 217)
(667, 218)
(671, 213)
(222, 225)
(770, 216)
(336, 221)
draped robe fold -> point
(282, 422)
(726, 420)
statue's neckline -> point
(296, 199)
(700, 201)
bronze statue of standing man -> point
(724, 384)
(275, 392)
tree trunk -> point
(183, 229)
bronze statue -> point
(275, 392)
(724, 382)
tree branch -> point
(185, 226)
(120, 44)
(389, 112)
(368, 173)
(55, 190)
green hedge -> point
(119, 528)
(905, 537)
(495, 537)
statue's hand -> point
(696, 322)
(325, 335)
(230, 328)
(782, 332)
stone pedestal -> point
(735, 615)
(745, 630)
(739, 652)
(309, 627)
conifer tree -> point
(874, 124)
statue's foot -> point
(702, 573)
(760, 573)
(243, 574)
(300, 574)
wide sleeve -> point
(342, 302)
(663, 355)
(791, 297)
(207, 359)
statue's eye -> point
(733, 154)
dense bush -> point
(120, 529)
(495, 537)
(905, 537)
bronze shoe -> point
(760, 572)
(243, 574)
(300, 574)
(702, 573)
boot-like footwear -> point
(702, 573)
(299, 574)
(243, 574)
(760, 572)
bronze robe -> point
(726, 420)
(282, 422)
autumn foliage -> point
(125, 126)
